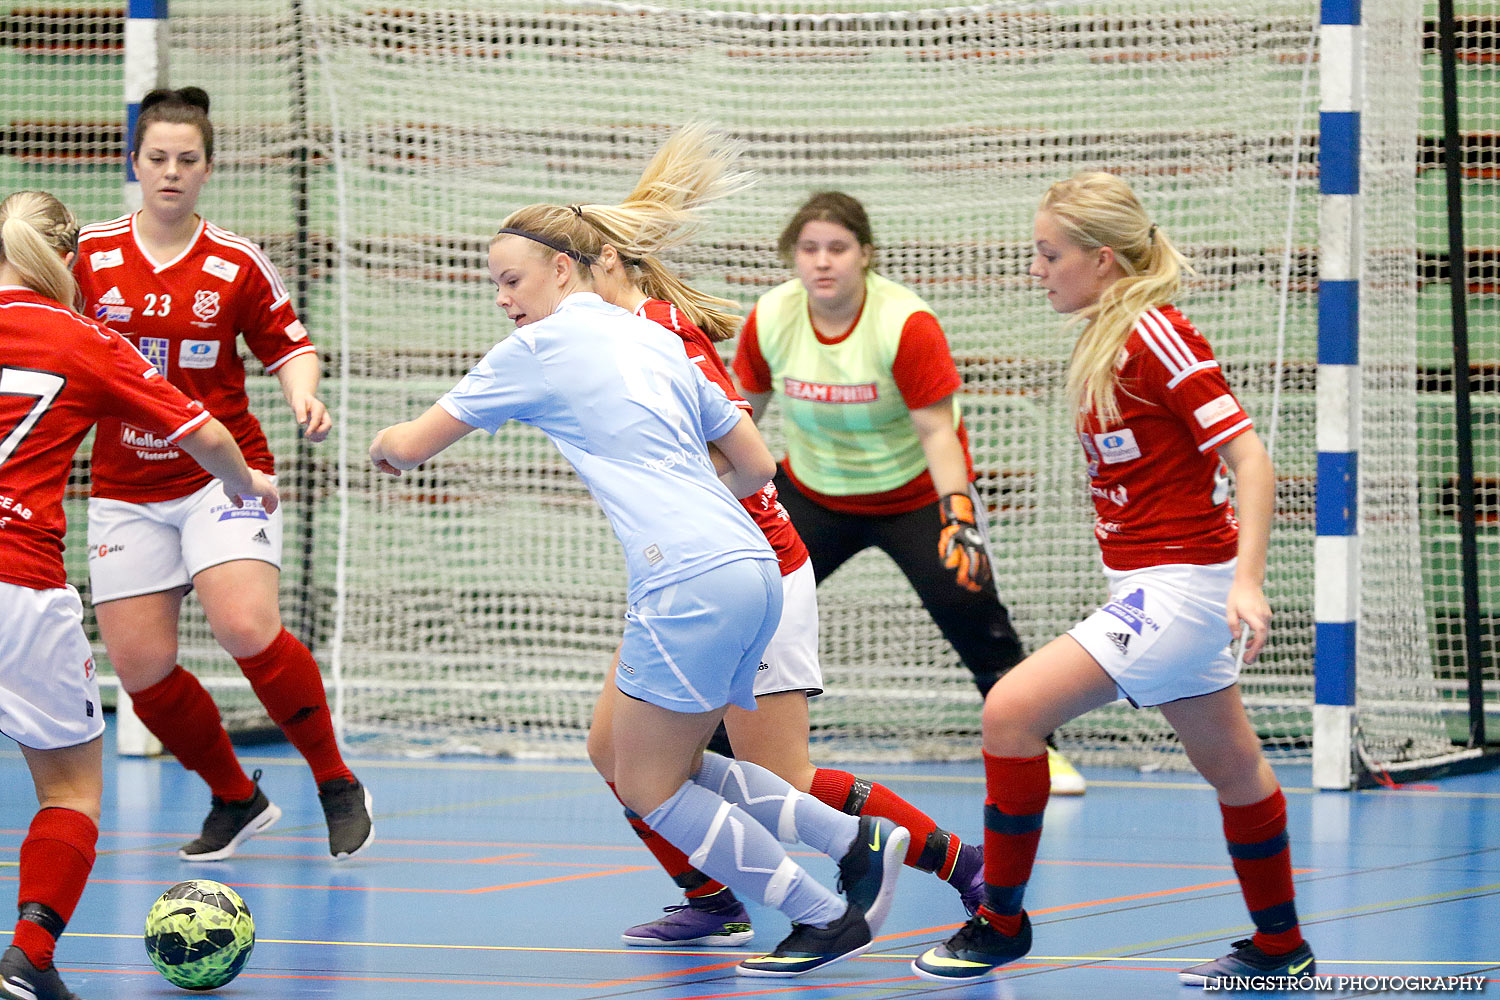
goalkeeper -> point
(877, 453)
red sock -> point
(858, 797)
(285, 678)
(1262, 858)
(693, 882)
(182, 714)
(1015, 797)
(56, 858)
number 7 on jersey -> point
(44, 386)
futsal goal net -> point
(474, 604)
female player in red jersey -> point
(183, 290)
(59, 373)
(1158, 425)
(877, 452)
(691, 170)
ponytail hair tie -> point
(577, 210)
(1151, 234)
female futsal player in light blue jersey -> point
(618, 396)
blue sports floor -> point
(496, 879)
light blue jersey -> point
(618, 396)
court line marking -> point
(475, 891)
(1186, 784)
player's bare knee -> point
(244, 636)
(140, 666)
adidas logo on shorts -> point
(1120, 639)
(260, 536)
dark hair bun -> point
(194, 96)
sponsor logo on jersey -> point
(221, 268)
(17, 508)
(154, 350)
(88, 673)
(101, 259)
(1215, 410)
(1131, 610)
(819, 392)
(1103, 529)
(112, 297)
(205, 303)
(653, 554)
(134, 437)
(627, 667)
(99, 552)
(1117, 446)
(1117, 496)
(295, 331)
(113, 314)
(198, 354)
(1120, 639)
(260, 536)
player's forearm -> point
(940, 445)
(1255, 503)
(750, 465)
(408, 444)
(214, 448)
(299, 376)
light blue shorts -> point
(696, 645)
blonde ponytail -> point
(36, 231)
(1096, 209)
(692, 169)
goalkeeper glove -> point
(961, 545)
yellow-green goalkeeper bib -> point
(848, 431)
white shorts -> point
(145, 548)
(49, 693)
(790, 662)
(1163, 636)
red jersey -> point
(1161, 492)
(59, 374)
(184, 315)
(765, 506)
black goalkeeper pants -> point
(976, 625)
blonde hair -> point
(1094, 210)
(36, 230)
(693, 168)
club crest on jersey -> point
(205, 304)
(101, 259)
(154, 350)
(221, 268)
(198, 354)
(1117, 446)
(1131, 610)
